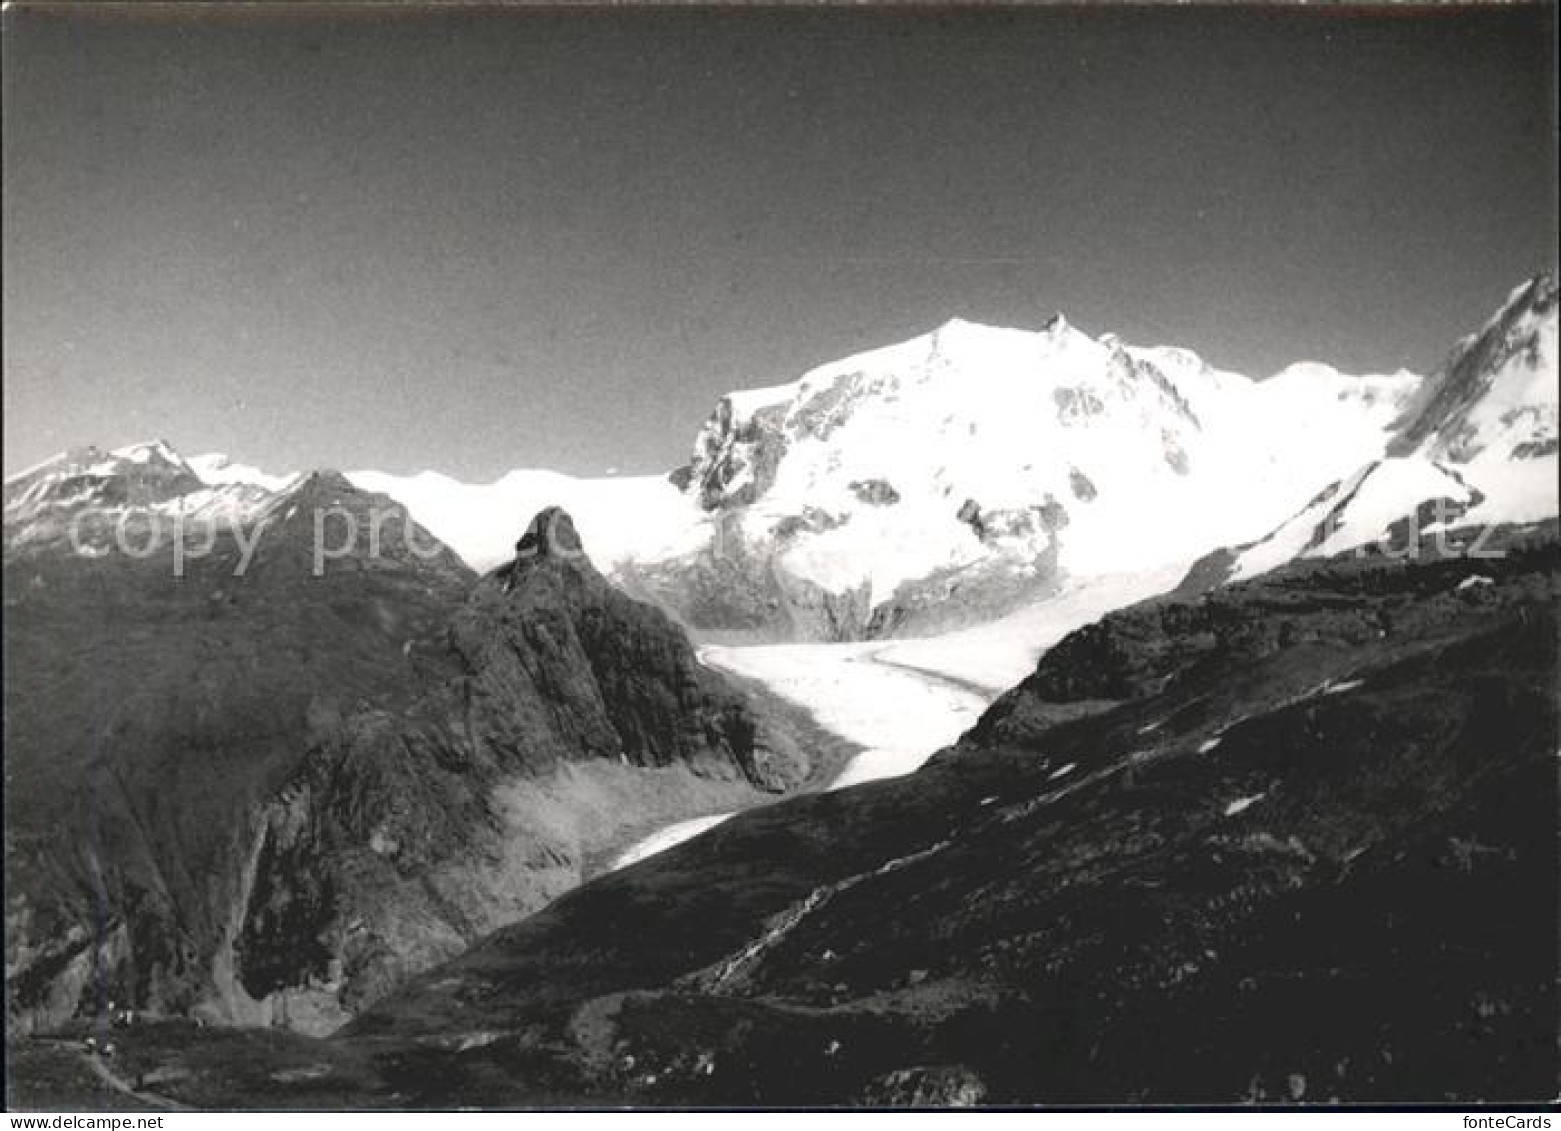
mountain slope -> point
(94, 502)
(1496, 396)
(1316, 808)
(1475, 445)
(408, 835)
(268, 766)
(154, 702)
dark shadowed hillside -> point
(266, 795)
(150, 717)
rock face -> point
(265, 769)
(1324, 796)
(403, 840)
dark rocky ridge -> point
(267, 797)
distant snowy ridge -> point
(217, 469)
(619, 518)
(85, 495)
(957, 477)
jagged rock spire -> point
(551, 534)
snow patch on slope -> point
(663, 839)
(1357, 511)
(1516, 491)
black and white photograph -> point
(781, 556)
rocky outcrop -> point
(939, 1086)
(736, 457)
(878, 492)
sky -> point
(474, 240)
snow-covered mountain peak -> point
(1048, 449)
(89, 459)
(139, 473)
(1372, 388)
(1496, 397)
(217, 469)
(1306, 371)
(88, 498)
(1535, 296)
(151, 451)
